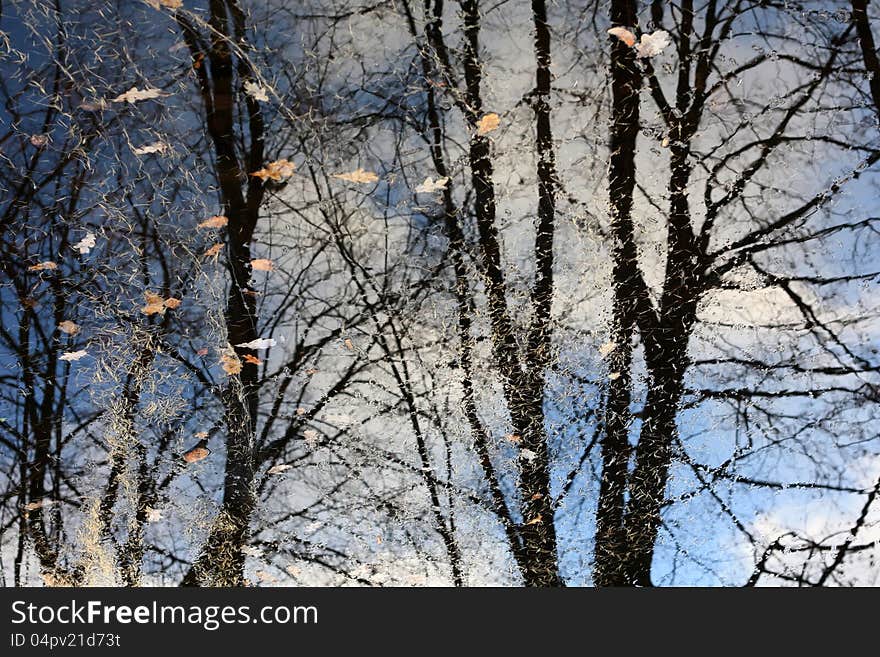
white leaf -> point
(134, 94)
(85, 244)
(430, 185)
(256, 91)
(528, 454)
(73, 355)
(259, 343)
(607, 348)
(652, 45)
(279, 469)
(155, 147)
(153, 515)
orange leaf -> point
(262, 264)
(357, 176)
(43, 266)
(230, 362)
(253, 360)
(488, 123)
(214, 251)
(196, 454)
(217, 221)
(624, 35)
(537, 520)
(276, 170)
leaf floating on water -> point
(262, 264)
(229, 361)
(156, 304)
(134, 95)
(281, 468)
(71, 328)
(652, 45)
(256, 91)
(253, 360)
(48, 265)
(259, 343)
(214, 251)
(217, 221)
(357, 176)
(86, 244)
(488, 123)
(624, 35)
(155, 147)
(169, 4)
(276, 170)
(607, 348)
(430, 185)
(196, 454)
(71, 356)
(528, 454)
(39, 140)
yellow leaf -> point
(217, 221)
(358, 176)
(262, 264)
(68, 327)
(43, 266)
(488, 123)
(276, 170)
(624, 35)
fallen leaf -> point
(39, 504)
(513, 438)
(312, 371)
(430, 185)
(276, 170)
(488, 123)
(230, 362)
(613, 376)
(153, 515)
(43, 266)
(294, 571)
(252, 551)
(71, 356)
(86, 244)
(537, 520)
(155, 147)
(134, 94)
(607, 348)
(256, 91)
(202, 352)
(196, 454)
(259, 343)
(279, 469)
(665, 142)
(253, 360)
(624, 35)
(170, 4)
(301, 411)
(214, 251)
(201, 434)
(156, 304)
(263, 576)
(528, 454)
(358, 176)
(349, 344)
(93, 106)
(217, 221)
(652, 45)
(311, 438)
(536, 496)
(262, 264)
(71, 328)
(39, 140)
